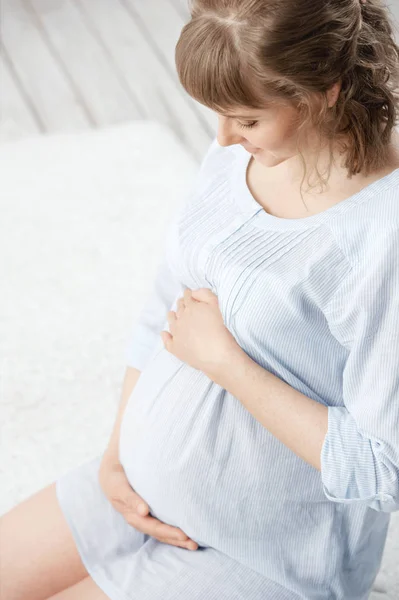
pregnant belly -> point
(204, 464)
(169, 436)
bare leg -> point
(84, 590)
(38, 556)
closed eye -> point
(248, 125)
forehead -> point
(243, 112)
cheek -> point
(281, 133)
(273, 137)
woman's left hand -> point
(198, 335)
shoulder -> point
(216, 167)
(216, 157)
(368, 296)
(211, 182)
(364, 229)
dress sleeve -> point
(153, 316)
(166, 289)
(360, 453)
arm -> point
(360, 455)
(142, 341)
(355, 446)
(145, 334)
(151, 320)
(166, 289)
(297, 421)
(131, 377)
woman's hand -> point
(124, 499)
(198, 335)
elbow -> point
(381, 502)
(356, 468)
(376, 488)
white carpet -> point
(82, 222)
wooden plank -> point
(394, 10)
(88, 62)
(39, 72)
(17, 119)
(155, 90)
(182, 7)
(163, 28)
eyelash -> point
(248, 126)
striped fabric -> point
(314, 301)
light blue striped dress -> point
(316, 302)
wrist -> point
(111, 453)
(235, 359)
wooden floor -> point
(68, 65)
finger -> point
(180, 303)
(133, 500)
(156, 528)
(163, 530)
(124, 498)
(189, 545)
(175, 536)
(126, 504)
(187, 295)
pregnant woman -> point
(260, 409)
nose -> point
(226, 135)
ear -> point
(333, 93)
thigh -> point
(38, 556)
(84, 590)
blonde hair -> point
(253, 53)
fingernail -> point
(142, 509)
(192, 546)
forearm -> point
(131, 377)
(299, 422)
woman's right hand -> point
(124, 499)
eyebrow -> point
(241, 116)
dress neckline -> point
(247, 203)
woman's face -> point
(270, 135)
